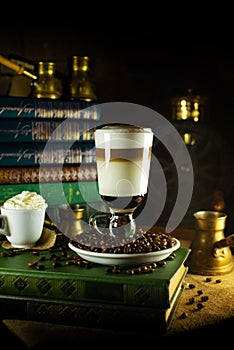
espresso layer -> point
(133, 154)
(123, 203)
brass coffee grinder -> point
(210, 249)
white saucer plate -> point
(125, 259)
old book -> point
(38, 129)
(55, 193)
(74, 282)
(48, 173)
(21, 107)
(121, 318)
(53, 152)
(107, 316)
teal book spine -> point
(53, 152)
(38, 129)
(21, 107)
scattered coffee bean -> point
(171, 256)
(191, 286)
(199, 292)
(208, 279)
(56, 264)
(32, 263)
(218, 281)
(191, 300)
(42, 258)
(200, 306)
(12, 253)
(53, 256)
(115, 270)
(183, 315)
(204, 298)
(35, 252)
(4, 254)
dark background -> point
(143, 66)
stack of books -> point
(87, 294)
(47, 141)
(47, 146)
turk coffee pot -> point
(210, 250)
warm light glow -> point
(183, 114)
(196, 113)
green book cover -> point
(81, 283)
(55, 192)
(107, 316)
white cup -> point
(22, 227)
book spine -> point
(27, 130)
(21, 107)
(47, 173)
(74, 192)
(55, 152)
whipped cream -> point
(25, 200)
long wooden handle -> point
(16, 67)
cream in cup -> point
(22, 219)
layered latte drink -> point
(123, 154)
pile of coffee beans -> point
(142, 242)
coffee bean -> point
(143, 242)
(200, 306)
(32, 263)
(218, 281)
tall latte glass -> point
(123, 155)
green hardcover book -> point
(107, 316)
(71, 282)
(94, 315)
(55, 193)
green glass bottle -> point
(47, 84)
(80, 85)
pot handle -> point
(226, 242)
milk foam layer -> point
(25, 200)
